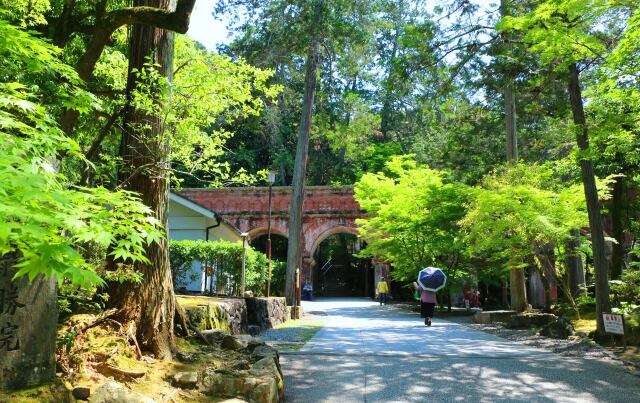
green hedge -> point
(222, 258)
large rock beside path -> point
(528, 320)
(258, 380)
(487, 317)
(230, 342)
(113, 392)
(559, 329)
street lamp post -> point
(271, 179)
(244, 236)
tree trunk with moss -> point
(103, 24)
(149, 305)
(601, 265)
(617, 208)
(575, 266)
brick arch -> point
(325, 232)
(260, 231)
(326, 210)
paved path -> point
(368, 353)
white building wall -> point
(187, 224)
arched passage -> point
(327, 211)
(338, 229)
(258, 241)
(278, 245)
(337, 272)
(255, 233)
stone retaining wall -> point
(228, 314)
(234, 315)
(486, 317)
(266, 313)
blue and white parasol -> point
(432, 279)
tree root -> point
(131, 335)
(182, 318)
(121, 372)
(106, 316)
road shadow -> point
(376, 354)
(370, 378)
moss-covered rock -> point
(227, 314)
(54, 392)
(559, 329)
(527, 320)
(113, 392)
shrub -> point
(278, 273)
(585, 301)
(625, 296)
(627, 289)
(223, 261)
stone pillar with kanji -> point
(28, 319)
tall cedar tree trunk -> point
(516, 276)
(593, 202)
(575, 266)
(294, 253)
(386, 113)
(618, 207)
(150, 305)
(547, 269)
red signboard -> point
(613, 323)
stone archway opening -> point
(338, 272)
(279, 246)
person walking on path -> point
(383, 290)
(428, 303)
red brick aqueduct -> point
(327, 211)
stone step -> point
(486, 317)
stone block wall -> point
(266, 312)
(228, 314)
(233, 315)
(487, 317)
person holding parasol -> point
(430, 280)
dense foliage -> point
(83, 121)
(416, 218)
(222, 261)
(49, 223)
(409, 107)
(429, 81)
(413, 219)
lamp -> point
(271, 178)
(244, 236)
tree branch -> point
(183, 65)
(177, 21)
(90, 154)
